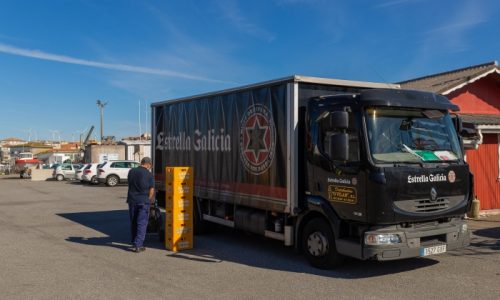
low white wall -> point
(41, 174)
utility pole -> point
(140, 129)
(101, 105)
(147, 124)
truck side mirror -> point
(338, 146)
(457, 122)
(338, 120)
(335, 120)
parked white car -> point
(114, 172)
(90, 173)
(79, 172)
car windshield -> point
(404, 135)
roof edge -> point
(472, 80)
(292, 78)
(491, 63)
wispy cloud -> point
(11, 38)
(451, 36)
(233, 14)
(285, 2)
(182, 48)
(457, 26)
(8, 49)
(395, 2)
(454, 33)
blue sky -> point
(58, 57)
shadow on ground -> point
(11, 177)
(493, 232)
(485, 241)
(87, 184)
(230, 245)
(235, 246)
(114, 224)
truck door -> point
(342, 183)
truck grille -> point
(427, 206)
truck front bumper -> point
(415, 241)
(418, 241)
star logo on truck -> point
(257, 139)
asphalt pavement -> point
(65, 240)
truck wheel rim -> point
(317, 244)
(112, 181)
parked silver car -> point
(65, 171)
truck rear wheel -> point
(318, 244)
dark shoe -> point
(139, 249)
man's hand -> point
(151, 195)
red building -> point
(476, 90)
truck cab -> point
(387, 169)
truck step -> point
(274, 235)
(218, 221)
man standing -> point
(140, 195)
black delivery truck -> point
(335, 168)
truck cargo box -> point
(242, 143)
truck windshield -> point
(405, 135)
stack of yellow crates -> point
(179, 208)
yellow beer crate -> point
(179, 208)
(179, 186)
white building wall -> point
(136, 150)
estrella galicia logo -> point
(257, 139)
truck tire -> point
(112, 180)
(59, 177)
(318, 244)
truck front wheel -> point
(318, 243)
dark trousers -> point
(139, 217)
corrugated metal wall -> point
(484, 164)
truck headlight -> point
(382, 239)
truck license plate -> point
(432, 250)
